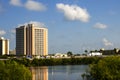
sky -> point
(73, 25)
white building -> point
(4, 46)
(59, 55)
(95, 54)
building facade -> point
(4, 46)
(31, 39)
(21, 40)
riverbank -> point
(56, 61)
(96, 64)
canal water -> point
(69, 72)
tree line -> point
(57, 61)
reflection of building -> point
(31, 39)
(4, 46)
(39, 73)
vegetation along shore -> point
(100, 68)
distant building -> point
(95, 54)
(59, 55)
(4, 46)
(12, 52)
(114, 51)
(108, 52)
(31, 40)
(111, 52)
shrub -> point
(106, 69)
(11, 70)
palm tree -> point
(86, 51)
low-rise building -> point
(59, 55)
(95, 54)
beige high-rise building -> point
(4, 46)
(31, 39)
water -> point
(69, 72)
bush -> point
(106, 69)
(10, 70)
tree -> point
(106, 69)
(69, 53)
(86, 51)
(11, 70)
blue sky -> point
(73, 25)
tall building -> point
(4, 46)
(31, 39)
(21, 40)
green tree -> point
(11, 70)
(69, 53)
(86, 51)
(106, 69)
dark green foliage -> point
(56, 61)
(106, 69)
(64, 61)
(10, 70)
(69, 53)
(35, 62)
(75, 61)
(3, 57)
(23, 61)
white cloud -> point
(100, 26)
(73, 12)
(106, 42)
(34, 5)
(16, 2)
(29, 4)
(2, 32)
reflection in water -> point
(68, 72)
(39, 73)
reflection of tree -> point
(39, 73)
